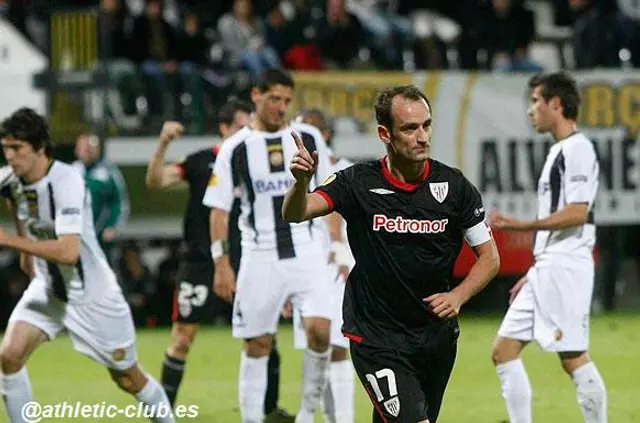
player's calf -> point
(146, 389)
(590, 388)
(182, 337)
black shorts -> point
(404, 387)
(193, 301)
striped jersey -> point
(57, 205)
(253, 166)
(569, 175)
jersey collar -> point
(404, 186)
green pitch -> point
(59, 374)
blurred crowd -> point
(177, 58)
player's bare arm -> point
(26, 265)
(160, 175)
(224, 279)
(64, 250)
(572, 215)
(447, 304)
(338, 248)
(298, 205)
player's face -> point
(272, 106)
(20, 155)
(540, 111)
(411, 134)
(313, 120)
(240, 120)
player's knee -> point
(259, 346)
(500, 353)
(339, 354)
(130, 382)
(318, 331)
(12, 358)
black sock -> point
(273, 381)
(172, 371)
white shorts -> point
(553, 309)
(264, 285)
(101, 329)
(337, 339)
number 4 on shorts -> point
(392, 405)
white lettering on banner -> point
(414, 226)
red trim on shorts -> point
(355, 338)
(376, 405)
(327, 198)
(174, 314)
(405, 186)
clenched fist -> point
(170, 131)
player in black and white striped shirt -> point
(280, 261)
(72, 285)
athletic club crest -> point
(393, 406)
(439, 190)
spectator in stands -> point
(340, 35)
(155, 48)
(242, 35)
(116, 23)
(109, 194)
(137, 283)
(292, 34)
(600, 32)
(508, 29)
(392, 33)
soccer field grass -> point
(59, 374)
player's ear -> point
(256, 94)
(384, 134)
(555, 103)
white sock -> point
(592, 394)
(16, 392)
(314, 381)
(338, 396)
(152, 395)
(252, 387)
(516, 391)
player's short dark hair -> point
(27, 125)
(273, 76)
(230, 108)
(561, 85)
(319, 115)
(385, 98)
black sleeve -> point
(188, 167)
(470, 209)
(337, 191)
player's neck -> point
(259, 125)
(405, 171)
(39, 170)
(563, 129)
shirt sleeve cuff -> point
(327, 198)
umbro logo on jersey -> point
(381, 191)
(414, 226)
